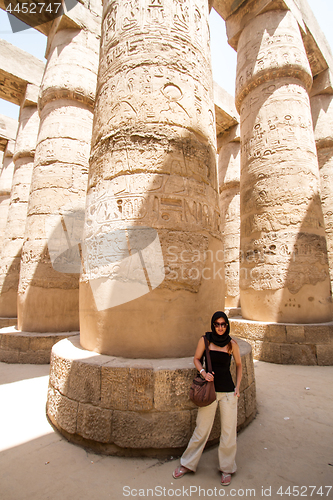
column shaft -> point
(6, 181)
(322, 114)
(229, 179)
(17, 212)
(152, 218)
(284, 267)
(48, 290)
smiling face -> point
(220, 326)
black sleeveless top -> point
(221, 367)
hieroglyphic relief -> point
(156, 151)
(159, 201)
(155, 12)
(275, 49)
(283, 260)
(283, 245)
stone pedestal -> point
(27, 347)
(322, 114)
(152, 219)
(17, 213)
(287, 343)
(131, 407)
(48, 298)
(284, 274)
(229, 174)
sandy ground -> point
(287, 451)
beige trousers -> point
(205, 419)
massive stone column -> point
(229, 179)
(6, 179)
(17, 213)
(151, 279)
(322, 113)
(48, 290)
(284, 268)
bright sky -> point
(223, 56)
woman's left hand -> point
(237, 392)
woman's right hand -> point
(209, 376)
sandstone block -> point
(9, 356)
(84, 382)
(324, 354)
(295, 333)
(59, 375)
(241, 413)
(295, 354)
(114, 388)
(61, 410)
(38, 357)
(171, 390)
(140, 389)
(268, 351)
(94, 423)
(250, 400)
(136, 429)
(318, 334)
(275, 333)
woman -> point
(221, 347)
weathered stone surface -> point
(51, 258)
(62, 410)
(241, 415)
(172, 388)
(136, 430)
(229, 178)
(304, 344)
(114, 388)
(8, 131)
(250, 400)
(283, 243)
(153, 165)
(325, 354)
(29, 347)
(322, 115)
(94, 423)
(298, 354)
(17, 211)
(84, 383)
(226, 115)
(15, 77)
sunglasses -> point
(220, 325)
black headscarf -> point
(219, 340)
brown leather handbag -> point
(202, 393)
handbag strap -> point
(209, 362)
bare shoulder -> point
(235, 350)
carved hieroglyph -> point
(284, 268)
(48, 290)
(6, 180)
(151, 278)
(322, 114)
(229, 174)
(17, 213)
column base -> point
(4, 322)
(132, 407)
(28, 347)
(287, 343)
